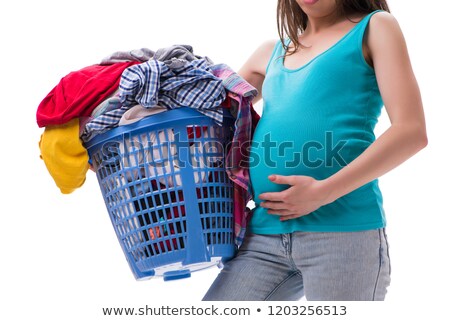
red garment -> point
(198, 131)
(79, 92)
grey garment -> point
(322, 266)
(175, 57)
(141, 55)
(175, 63)
(170, 55)
(111, 103)
(138, 112)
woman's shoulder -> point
(254, 69)
(261, 56)
(267, 46)
(385, 38)
(383, 26)
(383, 20)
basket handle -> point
(195, 241)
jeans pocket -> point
(386, 245)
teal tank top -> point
(316, 119)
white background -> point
(60, 259)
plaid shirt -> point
(153, 83)
(239, 96)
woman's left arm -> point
(404, 138)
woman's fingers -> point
(275, 205)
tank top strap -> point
(276, 53)
(360, 28)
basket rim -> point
(179, 114)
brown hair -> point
(292, 21)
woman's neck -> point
(317, 24)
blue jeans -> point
(322, 266)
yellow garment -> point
(64, 155)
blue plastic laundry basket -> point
(169, 198)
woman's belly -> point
(288, 148)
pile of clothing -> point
(129, 85)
